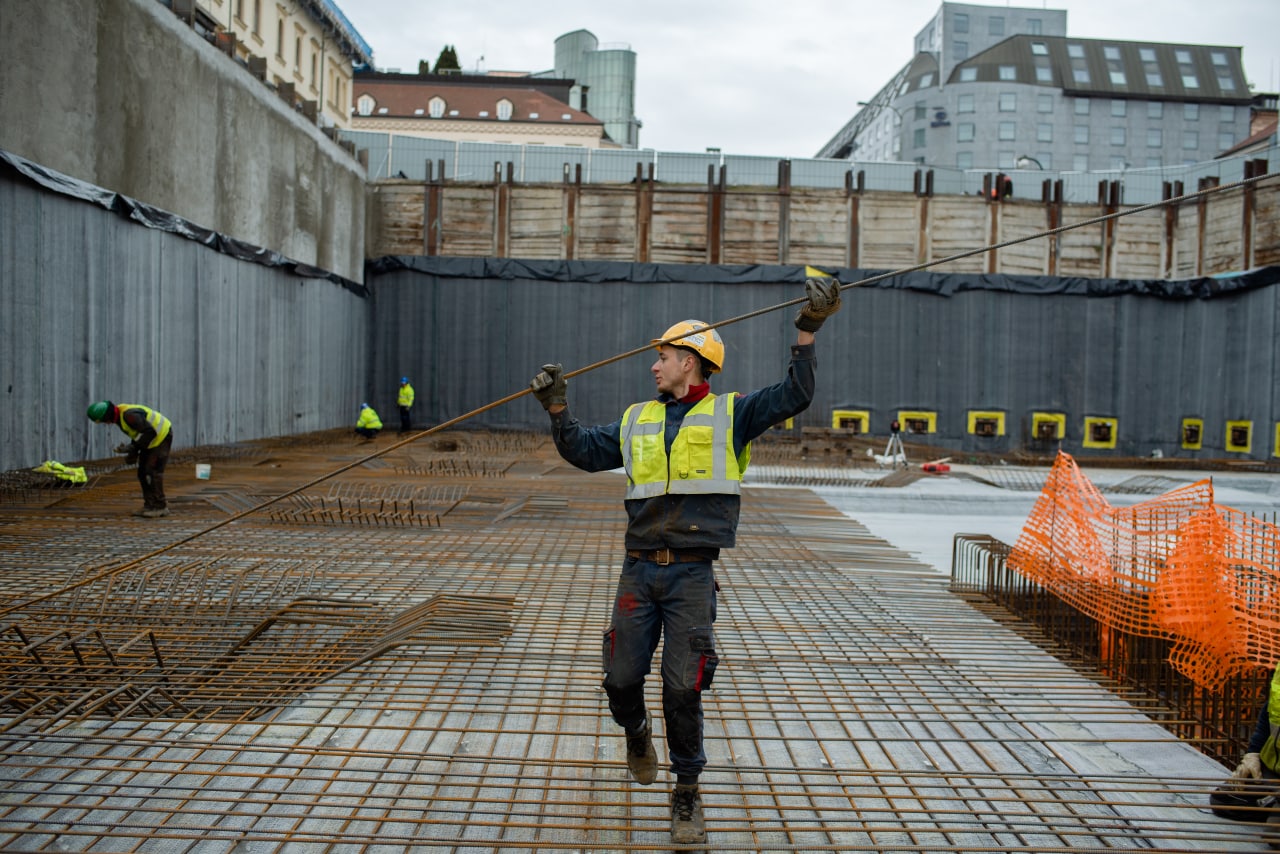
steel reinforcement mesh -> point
(333, 683)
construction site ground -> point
(405, 656)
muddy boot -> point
(155, 512)
(142, 511)
(686, 814)
(642, 759)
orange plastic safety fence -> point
(1177, 567)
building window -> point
(1189, 81)
(1082, 106)
(968, 75)
(280, 39)
(1008, 102)
(1226, 82)
(1044, 133)
(1008, 131)
(1080, 75)
(995, 25)
(1191, 112)
(1005, 160)
(1119, 108)
(917, 138)
(1039, 49)
(964, 132)
(1155, 110)
(961, 51)
(1190, 140)
(1218, 57)
(1227, 113)
(1226, 139)
(1044, 103)
(1080, 162)
(961, 22)
(365, 105)
(1155, 138)
(1044, 74)
(1117, 136)
(921, 110)
(1035, 26)
(926, 80)
(1082, 134)
(1112, 53)
(964, 159)
(436, 107)
(1075, 51)
(504, 110)
(1008, 72)
(1147, 54)
(1117, 78)
(257, 16)
(1183, 56)
(1154, 79)
(313, 69)
(964, 104)
(297, 54)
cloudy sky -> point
(761, 76)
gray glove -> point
(550, 387)
(824, 301)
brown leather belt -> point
(663, 557)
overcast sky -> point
(766, 77)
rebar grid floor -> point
(290, 684)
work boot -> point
(155, 512)
(686, 814)
(642, 759)
(142, 511)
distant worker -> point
(369, 423)
(404, 400)
(1255, 783)
(684, 453)
(151, 438)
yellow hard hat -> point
(707, 343)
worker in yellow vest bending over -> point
(150, 440)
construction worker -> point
(368, 424)
(1256, 780)
(150, 440)
(684, 453)
(404, 400)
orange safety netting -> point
(1178, 567)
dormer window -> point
(533, 115)
(436, 107)
(504, 110)
(484, 114)
(365, 104)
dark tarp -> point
(942, 284)
(153, 217)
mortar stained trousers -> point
(676, 602)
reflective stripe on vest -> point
(1270, 754)
(701, 461)
(157, 421)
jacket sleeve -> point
(756, 412)
(588, 448)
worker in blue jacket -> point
(684, 453)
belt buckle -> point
(663, 557)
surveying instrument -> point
(894, 454)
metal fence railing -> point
(1219, 723)
(393, 156)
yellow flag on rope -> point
(815, 273)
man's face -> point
(668, 369)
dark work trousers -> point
(151, 463)
(678, 603)
(404, 419)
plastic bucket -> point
(203, 470)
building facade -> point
(607, 76)
(306, 49)
(1005, 88)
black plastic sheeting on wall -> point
(153, 217)
(943, 284)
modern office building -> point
(607, 75)
(999, 87)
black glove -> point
(550, 387)
(132, 456)
(824, 301)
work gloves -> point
(124, 448)
(1250, 767)
(824, 301)
(550, 387)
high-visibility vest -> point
(369, 419)
(157, 421)
(1270, 753)
(406, 395)
(702, 460)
